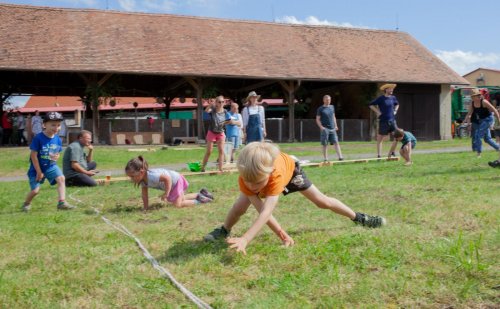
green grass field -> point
(14, 161)
(439, 249)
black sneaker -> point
(393, 154)
(207, 193)
(341, 159)
(369, 221)
(495, 163)
(216, 234)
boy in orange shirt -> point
(265, 172)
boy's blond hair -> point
(256, 161)
(399, 133)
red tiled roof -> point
(78, 40)
(482, 69)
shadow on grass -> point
(183, 251)
(123, 208)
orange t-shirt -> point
(284, 166)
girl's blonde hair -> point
(256, 161)
(136, 164)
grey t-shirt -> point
(216, 124)
(74, 152)
(154, 178)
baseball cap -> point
(53, 116)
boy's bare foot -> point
(408, 163)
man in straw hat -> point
(254, 121)
(386, 107)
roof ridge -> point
(248, 21)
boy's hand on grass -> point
(238, 243)
(39, 176)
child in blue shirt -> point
(45, 151)
(409, 142)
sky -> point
(463, 35)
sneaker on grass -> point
(369, 221)
(217, 234)
(495, 163)
(206, 193)
(65, 206)
(26, 207)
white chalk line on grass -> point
(164, 272)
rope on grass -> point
(164, 272)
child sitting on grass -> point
(45, 151)
(409, 142)
(173, 183)
(265, 172)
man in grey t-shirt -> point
(78, 167)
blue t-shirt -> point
(233, 130)
(408, 138)
(44, 145)
(386, 106)
(325, 114)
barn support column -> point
(198, 87)
(445, 112)
(290, 87)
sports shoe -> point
(65, 206)
(341, 159)
(203, 199)
(206, 193)
(26, 207)
(393, 154)
(369, 221)
(495, 163)
(216, 234)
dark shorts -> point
(413, 144)
(299, 181)
(497, 132)
(386, 127)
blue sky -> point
(463, 35)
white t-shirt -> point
(252, 110)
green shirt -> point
(74, 152)
(408, 138)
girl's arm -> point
(209, 108)
(168, 186)
(145, 200)
(244, 116)
(469, 113)
(265, 212)
(263, 117)
(492, 109)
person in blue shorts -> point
(386, 107)
(45, 151)
(409, 142)
(327, 123)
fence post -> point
(361, 128)
(280, 129)
(342, 130)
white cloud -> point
(466, 61)
(146, 5)
(127, 5)
(159, 5)
(313, 20)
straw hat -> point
(383, 87)
(252, 94)
(475, 92)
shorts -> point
(235, 140)
(413, 144)
(329, 136)
(178, 190)
(386, 127)
(299, 181)
(215, 137)
(50, 174)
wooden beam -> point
(104, 79)
(175, 85)
(198, 86)
(256, 85)
(290, 89)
